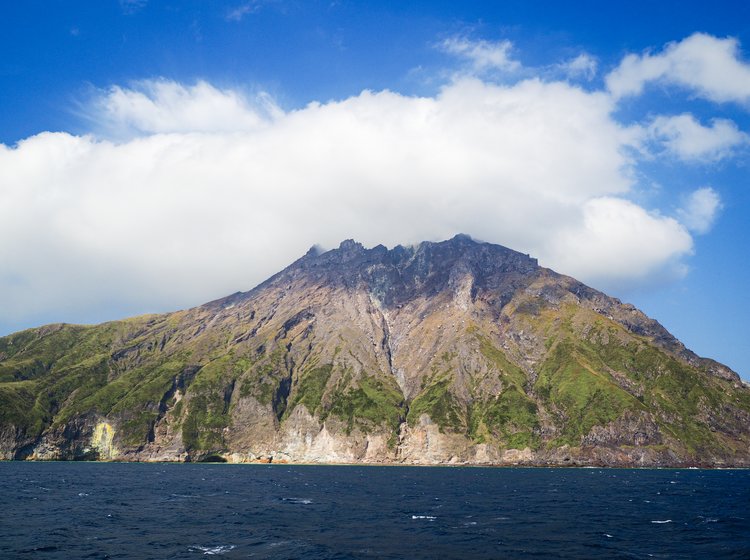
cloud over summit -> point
(187, 192)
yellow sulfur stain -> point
(102, 441)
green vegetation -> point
(576, 380)
(584, 396)
(20, 407)
(33, 353)
(511, 373)
(205, 421)
(73, 370)
(310, 389)
(438, 402)
(208, 405)
(510, 418)
(369, 402)
(264, 377)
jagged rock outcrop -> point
(453, 352)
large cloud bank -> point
(187, 192)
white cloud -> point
(685, 137)
(700, 210)
(482, 55)
(154, 106)
(707, 65)
(612, 232)
(488, 58)
(216, 191)
(583, 66)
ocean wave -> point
(303, 501)
(212, 550)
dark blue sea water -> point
(110, 510)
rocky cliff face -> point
(452, 352)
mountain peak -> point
(463, 238)
(395, 276)
(349, 245)
(456, 351)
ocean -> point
(121, 510)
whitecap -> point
(664, 521)
(82, 494)
(303, 501)
(212, 550)
(608, 535)
(430, 517)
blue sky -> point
(156, 155)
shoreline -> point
(395, 465)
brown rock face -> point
(454, 352)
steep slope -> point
(451, 352)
